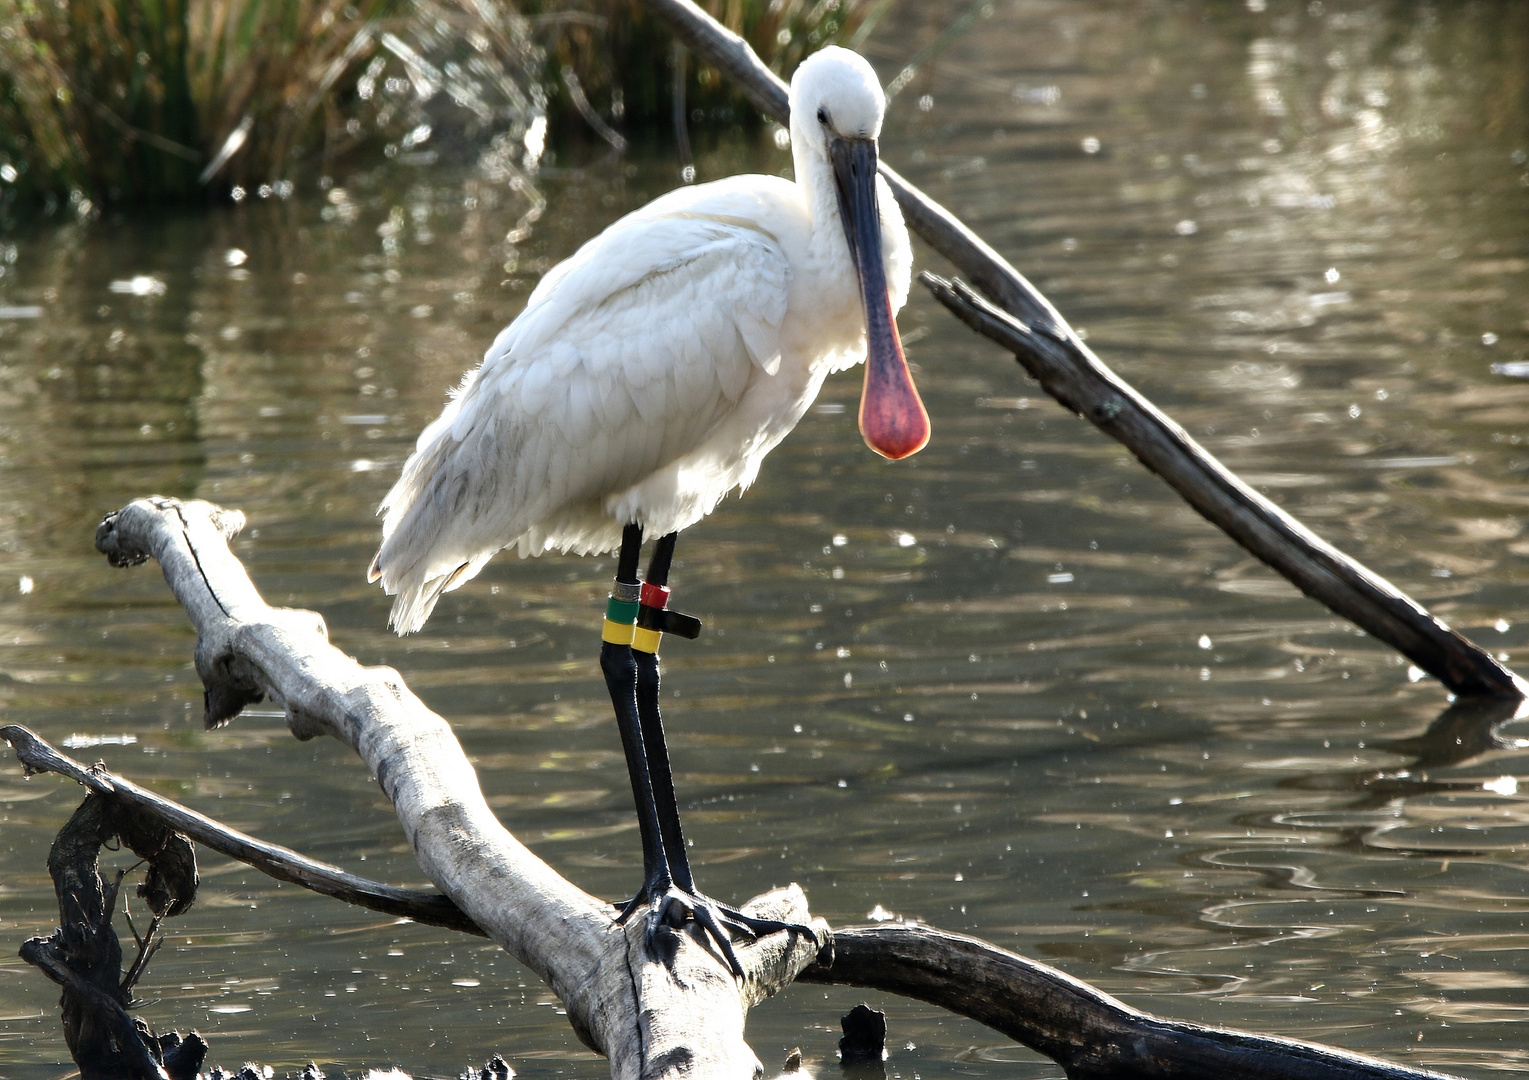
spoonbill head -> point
(836, 111)
(648, 376)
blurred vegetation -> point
(147, 100)
(132, 101)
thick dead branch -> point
(1033, 329)
(651, 1019)
(1090, 1034)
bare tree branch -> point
(284, 864)
(1084, 385)
(654, 1020)
(1077, 1025)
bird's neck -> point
(815, 179)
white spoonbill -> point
(648, 376)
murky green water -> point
(1011, 687)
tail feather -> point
(413, 606)
(426, 547)
(459, 499)
(417, 591)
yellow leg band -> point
(618, 633)
(646, 640)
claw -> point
(757, 928)
(670, 907)
(707, 917)
(627, 908)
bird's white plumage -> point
(650, 372)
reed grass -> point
(118, 100)
(133, 101)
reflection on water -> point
(1011, 686)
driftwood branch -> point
(422, 906)
(84, 955)
(651, 1019)
(1090, 1033)
(1025, 322)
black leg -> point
(648, 681)
(620, 669)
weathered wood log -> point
(1081, 382)
(498, 886)
(1086, 1030)
(1032, 1003)
(651, 1019)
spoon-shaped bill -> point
(892, 417)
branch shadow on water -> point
(1467, 729)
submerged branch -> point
(1081, 382)
(1091, 390)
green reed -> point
(129, 100)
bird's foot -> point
(668, 909)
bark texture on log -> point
(652, 1020)
(1081, 382)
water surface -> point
(1011, 687)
